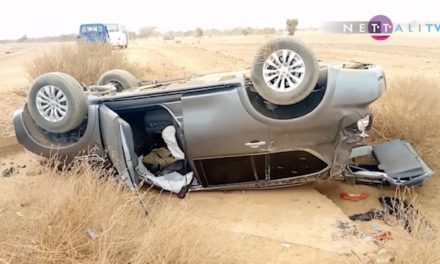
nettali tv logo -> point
(379, 27)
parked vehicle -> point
(93, 33)
(118, 35)
(294, 120)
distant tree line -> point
(59, 38)
(152, 32)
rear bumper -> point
(397, 164)
(118, 43)
(40, 142)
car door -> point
(118, 142)
(226, 143)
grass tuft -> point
(84, 61)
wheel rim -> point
(52, 103)
(119, 87)
(283, 70)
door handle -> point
(255, 144)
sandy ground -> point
(308, 223)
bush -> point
(245, 31)
(199, 32)
(168, 36)
(146, 32)
(84, 61)
(291, 26)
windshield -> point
(92, 28)
(112, 27)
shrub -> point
(199, 32)
(84, 61)
(168, 36)
(291, 26)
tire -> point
(297, 72)
(66, 108)
(123, 80)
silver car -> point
(293, 120)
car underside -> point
(230, 135)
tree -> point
(146, 32)
(23, 38)
(168, 36)
(291, 25)
(268, 31)
(199, 32)
(132, 35)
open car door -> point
(117, 138)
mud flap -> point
(397, 163)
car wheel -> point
(121, 79)
(284, 71)
(57, 102)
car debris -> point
(353, 196)
(290, 121)
(385, 235)
(91, 232)
(368, 216)
(9, 171)
(173, 181)
(401, 209)
(164, 167)
(404, 211)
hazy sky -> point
(49, 17)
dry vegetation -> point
(59, 214)
(421, 245)
(409, 111)
(85, 61)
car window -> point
(92, 29)
(112, 28)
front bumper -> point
(397, 164)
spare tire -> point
(57, 102)
(284, 71)
(121, 79)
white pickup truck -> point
(118, 35)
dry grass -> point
(423, 241)
(48, 222)
(84, 61)
(409, 110)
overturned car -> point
(294, 120)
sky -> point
(39, 18)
